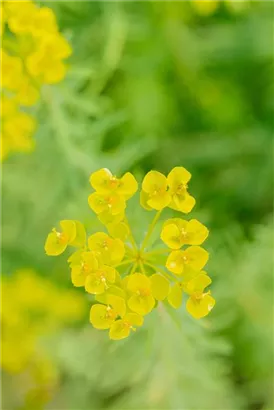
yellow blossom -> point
(102, 316)
(121, 328)
(178, 179)
(199, 303)
(72, 233)
(141, 300)
(122, 274)
(111, 250)
(38, 57)
(193, 257)
(100, 279)
(105, 183)
(82, 265)
(154, 193)
(103, 203)
(177, 232)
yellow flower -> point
(107, 218)
(103, 203)
(17, 131)
(45, 64)
(19, 15)
(177, 182)
(154, 193)
(193, 258)
(121, 328)
(105, 183)
(159, 286)
(73, 233)
(82, 265)
(123, 301)
(12, 71)
(177, 232)
(38, 57)
(43, 22)
(111, 250)
(27, 94)
(102, 316)
(118, 230)
(3, 18)
(141, 300)
(98, 281)
(199, 303)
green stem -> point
(142, 267)
(133, 268)
(125, 262)
(130, 236)
(158, 270)
(130, 250)
(157, 252)
(150, 230)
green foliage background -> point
(153, 85)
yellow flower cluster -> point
(124, 277)
(32, 307)
(33, 53)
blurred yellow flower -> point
(33, 54)
(32, 307)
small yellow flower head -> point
(194, 258)
(33, 54)
(127, 280)
(112, 250)
(177, 232)
(107, 203)
(154, 193)
(159, 191)
(82, 265)
(178, 179)
(102, 316)
(120, 329)
(72, 233)
(199, 303)
(141, 300)
(105, 183)
(100, 280)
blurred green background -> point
(151, 85)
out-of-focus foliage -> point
(153, 85)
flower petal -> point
(154, 181)
(175, 296)
(118, 330)
(200, 308)
(159, 286)
(177, 176)
(99, 180)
